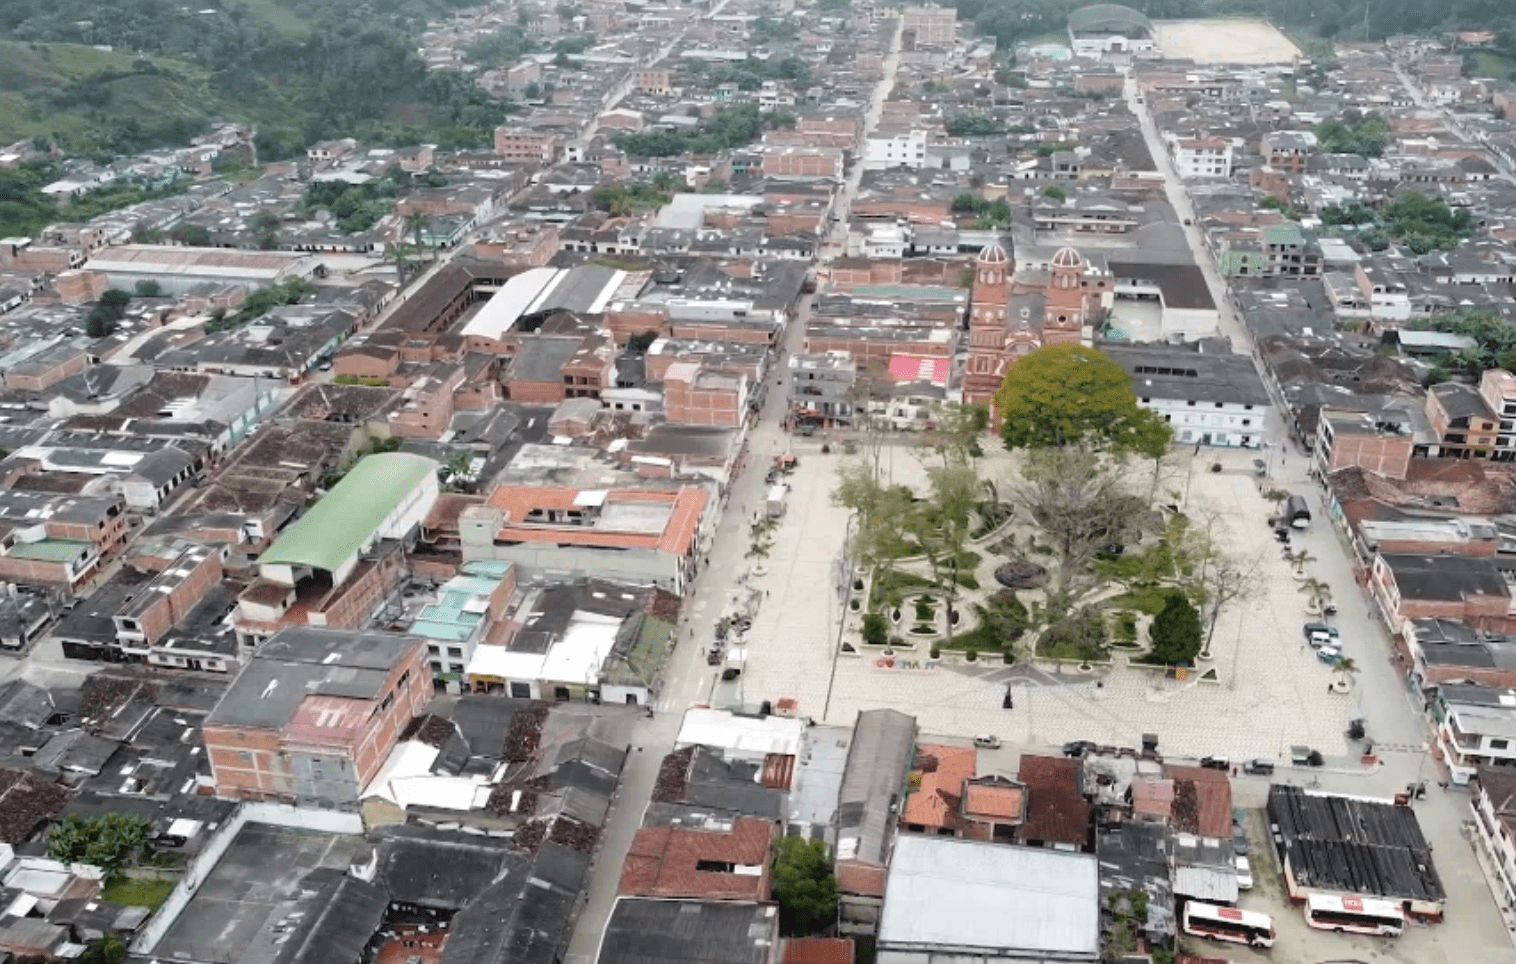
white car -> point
(1244, 873)
(987, 742)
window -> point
(1190, 404)
(455, 652)
(1500, 744)
(387, 702)
(436, 666)
(244, 756)
(1247, 421)
(405, 679)
(1218, 404)
(433, 651)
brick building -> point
(313, 715)
(695, 395)
(527, 146)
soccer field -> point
(1224, 42)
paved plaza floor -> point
(1272, 694)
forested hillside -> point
(303, 70)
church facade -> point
(1011, 317)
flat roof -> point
(50, 550)
(335, 529)
(985, 897)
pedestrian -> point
(1329, 687)
(1234, 771)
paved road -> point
(687, 679)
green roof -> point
(50, 550)
(335, 529)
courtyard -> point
(1268, 691)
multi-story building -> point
(900, 149)
(313, 715)
(1476, 726)
(1494, 806)
(821, 387)
(1461, 416)
(696, 395)
(934, 26)
(1201, 156)
(467, 605)
(1287, 151)
(527, 146)
(1498, 387)
(1206, 398)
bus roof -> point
(1355, 904)
(1235, 914)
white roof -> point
(945, 893)
(511, 302)
(578, 656)
(746, 734)
(505, 663)
(410, 758)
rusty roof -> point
(691, 862)
(997, 801)
(818, 950)
(1202, 801)
(1056, 809)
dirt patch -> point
(1224, 42)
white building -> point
(901, 149)
(1206, 399)
(949, 899)
(1201, 156)
(1476, 726)
(1494, 806)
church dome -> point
(994, 254)
(1067, 258)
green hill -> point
(302, 70)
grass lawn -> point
(1148, 599)
(1490, 64)
(1047, 37)
(138, 893)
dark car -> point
(1239, 841)
(1259, 768)
(1215, 763)
(1078, 748)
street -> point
(687, 679)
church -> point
(1011, 317)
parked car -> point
(987, 741)
(1329, 655)
(1259, 768)
(1320, 634)
(1078, 748)
(1239, 841)
(1215, 763)
(1244, 873)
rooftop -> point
(339, 526)
(947, 895)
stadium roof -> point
(1102, 17)
(340, 525)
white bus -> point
(1357, 915)
(1228, 924)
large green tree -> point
(804, 885)
(1063, 394)
(1176, 631)
(109, 841)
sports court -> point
(1224, 42)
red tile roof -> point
(1056, 811)
(665, 862)
(818, 950)
(996, 801)
(854, 877)
(942, 771)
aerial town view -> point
(757, 482)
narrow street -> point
(687, 679)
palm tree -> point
(1317, 593)
(416, 223)
(1345, 669)
(1300, 559)
(395, 251)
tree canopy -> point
(804, 885)
(1062, 394)
(109, 841)
(1176, 631)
